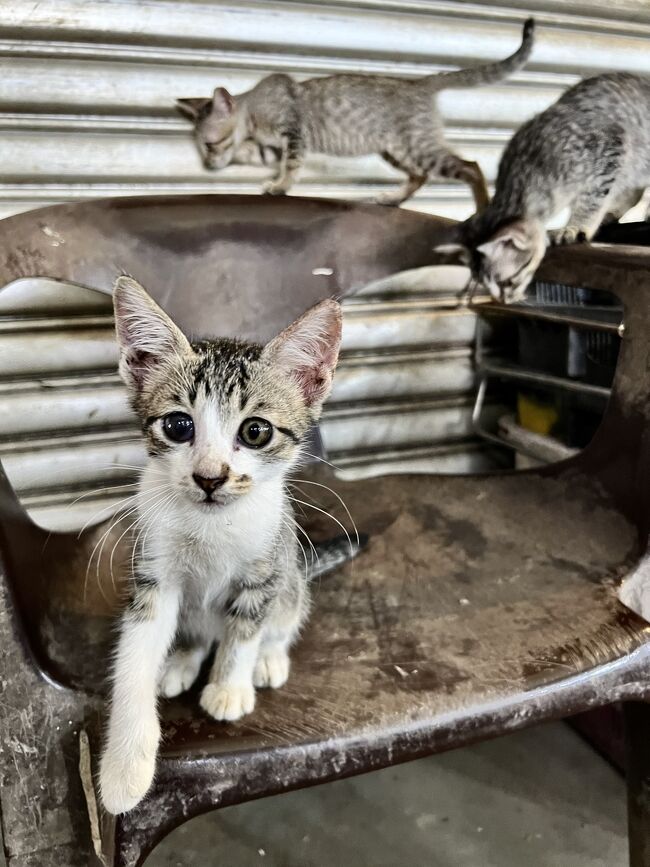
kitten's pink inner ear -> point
(223, 101)
(308, 350)
(144, 331)
(515, 233)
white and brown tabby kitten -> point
(590, 152)
(224, 422)
(347, 115)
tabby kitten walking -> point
(347, 115)
(590, 152)
(217, 558)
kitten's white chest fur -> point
(204, 551)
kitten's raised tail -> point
(334, 552)
(489, 73)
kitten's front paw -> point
(125, 775)
(274, 188)
(272, 669)
(180, 672)
(227, 701)
(568, 235)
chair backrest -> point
(252, 263)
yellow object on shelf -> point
(536, 416)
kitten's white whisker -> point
(284, 542)
(290, 522)
(322, 460)
(117, 518)
(147, 527)
(338, 497)
(120, 516)
(328, 515)
(302, 548)
(112, 509)
(311, 544)
(140, 517)
(101, 490)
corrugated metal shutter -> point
(86, 109)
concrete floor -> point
(539, 798)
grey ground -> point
(539, 798)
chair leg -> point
(637, 736)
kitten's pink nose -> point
(209, 485)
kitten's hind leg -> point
(415, 180)
(230, 694)
(279, 633)
(293, 153)
(181, 670)
(272, 666)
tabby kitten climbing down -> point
(217, 558)
(347, 115)
(590, 152)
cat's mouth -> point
(209, 501)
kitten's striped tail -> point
(489, 72)
(334, 553)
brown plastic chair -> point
(482, 604)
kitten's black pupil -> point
(178, 427)
(255, 432)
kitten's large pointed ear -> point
(191, 107)
(223, 102)
(308, 350)
(145, 334)
(515, 234)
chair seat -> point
(470, 596)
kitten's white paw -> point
(227, 701)
(274, 188)
(125, 775)
(180, 672)
(272, 668)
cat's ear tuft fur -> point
(191, 107)
(516, 234)
(308, 350)
(223, 102)
(145, 334)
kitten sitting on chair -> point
(347, 115)
(590, 152)
(224, 422)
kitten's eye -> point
(178, 427)
(255, 432)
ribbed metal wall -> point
(87, 91)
